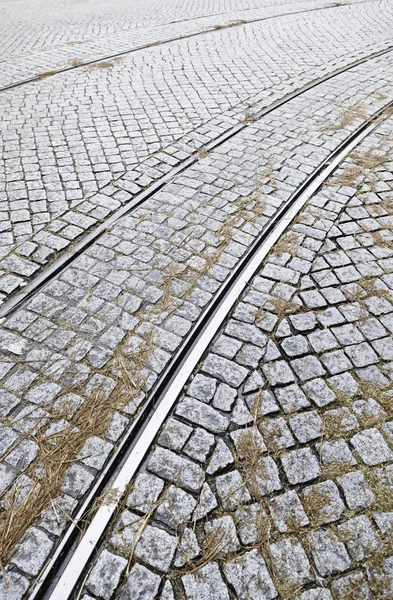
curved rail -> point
(44, 277)
(203, 31)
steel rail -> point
(141, 433)
(46, 275)
(208, 29)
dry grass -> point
(76, 62)
(347, 117)
(58, 451)
(288, 242)
(105, 64)
(44, 75)
(228, 25)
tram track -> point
(44, 277)
(205, 30)
(63, 572)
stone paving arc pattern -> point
(73, 308)
(16, 70)
(52, 201)
(47, 29)
(309, 515)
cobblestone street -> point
(147, 150)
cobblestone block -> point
(172, 467)
(225, 370)
(206, 584)
(306, 426)
(300, 466)
(360, 538)
(175, 508)
(33, 551)
(202, 388)
(201, 414)
(16, 586)
(223, 531)
(231, 490)
(358, 494)
(278, 373)
(329, 554)
(323, 502)
(291, 562)
(220, 459)
(224, 397)
(348, 585)
(249, 577)
(371, 447)
(291, 398)
(206, 503)
(142, 584)
(174, 434)
(200, 445)
(250, 522)
(287, 512)
(106, 574)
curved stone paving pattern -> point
(70, 135)
(27, 28)
(273, 476)
(46, 63)
(66, 342)
(289, 415)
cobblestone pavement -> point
(271, 478)
(47, 61)
(116, 127)
(27, 29)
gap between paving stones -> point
(18, 300)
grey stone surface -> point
(106, 574)
(291, 562)
(232, 490)
(205, 585)
(287, 512)
(174, 434)
(328, 552)
(199, 413)
(33, 551)
(142, 584)
(371, 446)
(220, 459)
(297, 325)
(222, 532)
(172, 467)
(356, 490)
(249, 576)
(323, 502)
(176, 507)
(360, 538)
(300, 466)
(145, 492)
(15, 588)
